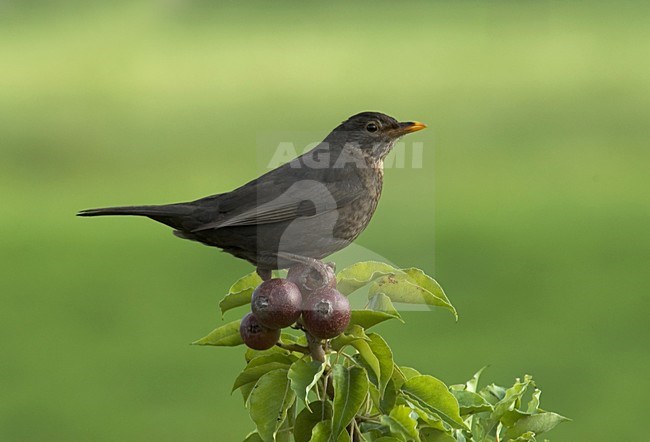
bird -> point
(300, 212)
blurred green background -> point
(533, 199)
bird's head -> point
(372, 133)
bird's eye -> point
(372, 127)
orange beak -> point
(410, 126)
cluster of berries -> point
(307, 297)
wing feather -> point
(303, 198)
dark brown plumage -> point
(306, 209)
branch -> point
(315, 347)
(293, 347)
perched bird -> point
(302, 211)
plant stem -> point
(315, 347)
(350, 358)
(366, 419)
(325, 378)
(294, 347)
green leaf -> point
(322, 432)
(284, 433)
(472, 384)
(402, 423)
(526, 437)
(224, 336)
(357, 275)
(269, 402)
(252, 374)
(533, 404)
(384, 355)
(240, 292)
(382, 303)
(357, 331)
(372, 432)
(246, 391)
(409, 372)
(536, 423)
(370, 318)
(351, 334)
(402, 288)
(506, 409)
(398, 377)
(368, 357)
(423, 280)
(509, 418)
(383, 404)
(271, 357)
(493, 393)
(350, 390)
(470, 403)
(252, 354)
(433, 395)
(429, 420)
(389, 399)
(308, 418)
(373, 394)
(433, 435)
(258, 359)
(512, 395)
(304, 375)
(253, 437)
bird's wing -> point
(303, 198)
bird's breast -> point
(355, 216)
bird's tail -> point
(151, 211)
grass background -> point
(533, 199)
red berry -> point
(311, 278)
(255, 335)
(276, 303)
(326, 313)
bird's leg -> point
(265, 274)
